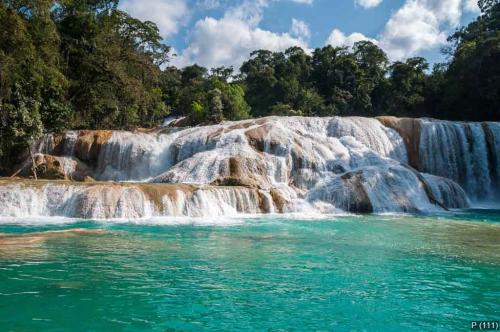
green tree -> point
(197, 113)
(472, 81)
(335, 74)
(222, 73)
(112, 61)
(215, 106)
(260, 80)
(275, 79)
(310, 103)
(233, 99)
(372, 65)
(193, 88)
(21, 84)
(406, 87)
(487, 5)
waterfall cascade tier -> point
(101, 200)
(467, 153)
(274, 164)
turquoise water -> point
(353, 273)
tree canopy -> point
(74, 64)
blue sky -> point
(224, 32)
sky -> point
(215, 33)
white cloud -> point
(300, 29)
(412, 28)
(168, 15)
(419, 25)
(368, 3)
(249, 11)
(230, 40)
(338, 39)
(471, 6)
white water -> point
(447, 192)
(134, 156)
(299, 164)
(103, 201)
(459, 151)
(389, 189)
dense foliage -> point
(86, 64)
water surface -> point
(351, 273)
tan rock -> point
(46, 167)
(256, 137)
(89, 144)
(82, 172)
(409, 130)
(156, 192)
(88, 179)
(280, 202)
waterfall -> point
(370, 132)
(492, 132)
(462, 152)
(70, 139)
(447, 192)
(130, 201)
(375, 189)
(283, 147)
(133, 156)
(273, 164)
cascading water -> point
(376, 189)
(370, 132)
(446, 191)
(134, 156)
(492, 132)
(462, 152)
(131, 201)
(275, 164)
(70, 140)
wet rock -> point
(89, 144)
(49, 167)
(409, 129)
(256, 137)
(88, 179)
(445, 192)
(279, 200)
(375, 189)
(46, 167)
(358, 200)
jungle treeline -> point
(75, 64)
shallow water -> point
(349, 273)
